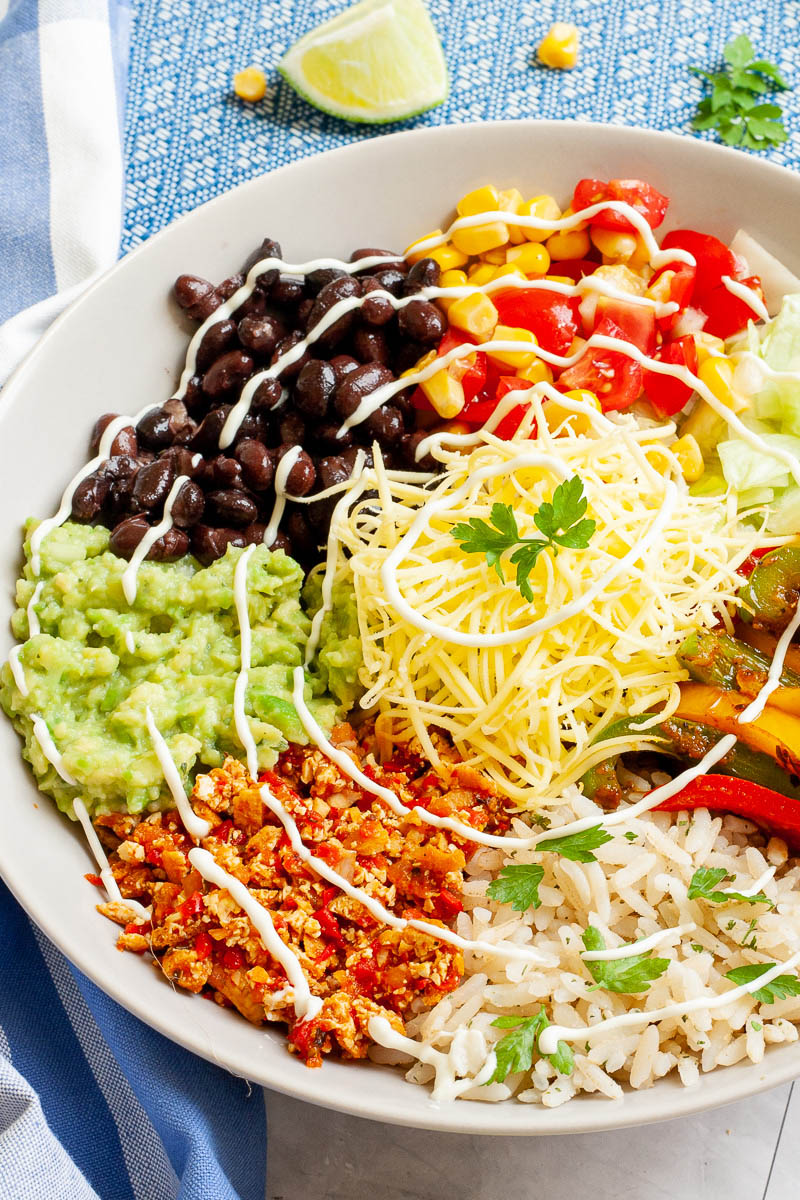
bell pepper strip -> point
(775, 813)
(725, 662)
(688, 742)
(770, 597)
(759, 639)
(614, 378)
(667, 394)
(753, 559)
(549, 316)
(774, 732)
(640, 195)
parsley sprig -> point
(561, 522)
(705, 882)
(735, 108)
(624, 975)
(777, 989)
(518, 883)
(515, 1051)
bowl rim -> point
(419, 1111)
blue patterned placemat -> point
(188, 138)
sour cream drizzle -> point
(50, 750)
(131, 572)
(196, 827)
(106, 874)
(282, 474)
(245, 640)
(747, 296)
(446, 1087)
(756, 707)
(633, 948)
(306, 1006)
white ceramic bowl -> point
(120, 345)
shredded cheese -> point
(527, 713)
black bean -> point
(291, 428)
(424, 273)
(281, 542)
(230, 285)
(358, 384)
(343, 364)
(125, 442)
(231, 508)
(252, 425)
(333, 469)
(371, 345)
(254, 534)
(288, 343)
(316, 280)
(302, 476)
(299, 532)
(121, 468)
(254, 306)
(193, 397)
(210, 543)
(408, 447)
(376, 310)
(228, 372)
(183, 461)
(352, 454)
(287, 290)
(267, 249)
(182, 427)
(390, 280)
(258, 468)
(187, 508)
(197, 296)
(223, 473)
(326, 435)
(333, 292)
(407, 355)
(261, 334)
(385, 425)
(152, 484)
(89, 496)
(397, 263)
(423, 322)
(171, 545)
(314, 388)
(154, 430)
(125, 536)
(304, 310)
(218, 338)
(267, 395)
(206, 439)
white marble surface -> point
(745, 1151)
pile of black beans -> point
(230, 494)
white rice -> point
(635, 888)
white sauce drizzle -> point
(281, 479)
(753, 888)
(196, 827)
(245, 640)
(50, 750)
(131, 572)
(106, 875)
(633, 948)
(306, 1006)
(747, 296)
(446, 1087)
(756, 707)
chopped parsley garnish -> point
(624, 975)
(704, 886)
(561, 522)
(777, 989)
(698, 949)
(735, 108)
(517, 885)
(515, 1051)
(631, 836)
(577, 846)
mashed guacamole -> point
(98, 664)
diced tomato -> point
(233, 958)
(470, 372)
(614, 378)
(511, 422)
(575, 268)
(222, 831)
(640, 195)
(365, 975)
(447, 905)
(681, 289)
(135, 927)
(191, 907)
(637, 321)
(550, 317)
(726, 313)
(667, 394)
(329, 926)
(203, 946)
(712, 257)
(95, 880)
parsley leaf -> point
(732, 108)
(778, 989)
(515, 1051)
(561, 521)
(517, 885)
(624, 975)
(704, 883)
(578, 846)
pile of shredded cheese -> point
(527, 712)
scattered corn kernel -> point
(480, 273)
(510, 201)
(482, 199)
(537, 372)
(559, 47)
(570, 212)
(508, 269)
(661, 289)
(558, 414)
(481, 238)
(411, 255)
(445, 394)
(250, 84)
(658, 458)
(474, 314)
(708, 346)
(546, 208)
(518, 359)
(568, 244)
(531, 258)
(717, 374)
(496, 257)
(451, 279)
(687, 452)
(447, 256)
(616, 246)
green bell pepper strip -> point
(725, 662)
(769, 598)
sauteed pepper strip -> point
(770, 597)
(776, 813)
(725, 662)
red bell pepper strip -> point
(777, 814)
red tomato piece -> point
(233, 958)
(712, 257)
(575, 268)
(513, 419)
(641, 196)
(471, 375)
(667, 394)
(203, 946)
(614, 378)
(550, 317)
(681, 290)
(637, 321)
(726, 314)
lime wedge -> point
(380, 60)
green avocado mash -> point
(98, 663)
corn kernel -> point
(559, 48)
(250, 84)
(412, 256)
(508, 269)
(708, 346)
(457, 427)
(518, 359)
(568, 244)
(717, 374)
(480, 273)
(445, 394)
(641, 255)
(546, 208)
(496, 257)
(537, 372)
(561, 279)
(481, 238)
(510, 201)
(616, 246)
(569, 211)
(658, 458)
(581, 423)
(661, 289)
(425, 361)
(482, 199)
(475, 314)
(690, 460)
(451, 279)
(447, 256)
(531, 258)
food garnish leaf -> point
(578, 846)
(733, 107)
(517, 885)
(705, 882)
(561, 521)
(777, 989)
(515, 1051)
(624, 975)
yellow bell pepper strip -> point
(775, 813)
(725, 662)
(767, 643)
(770, 597)
(774, 733)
